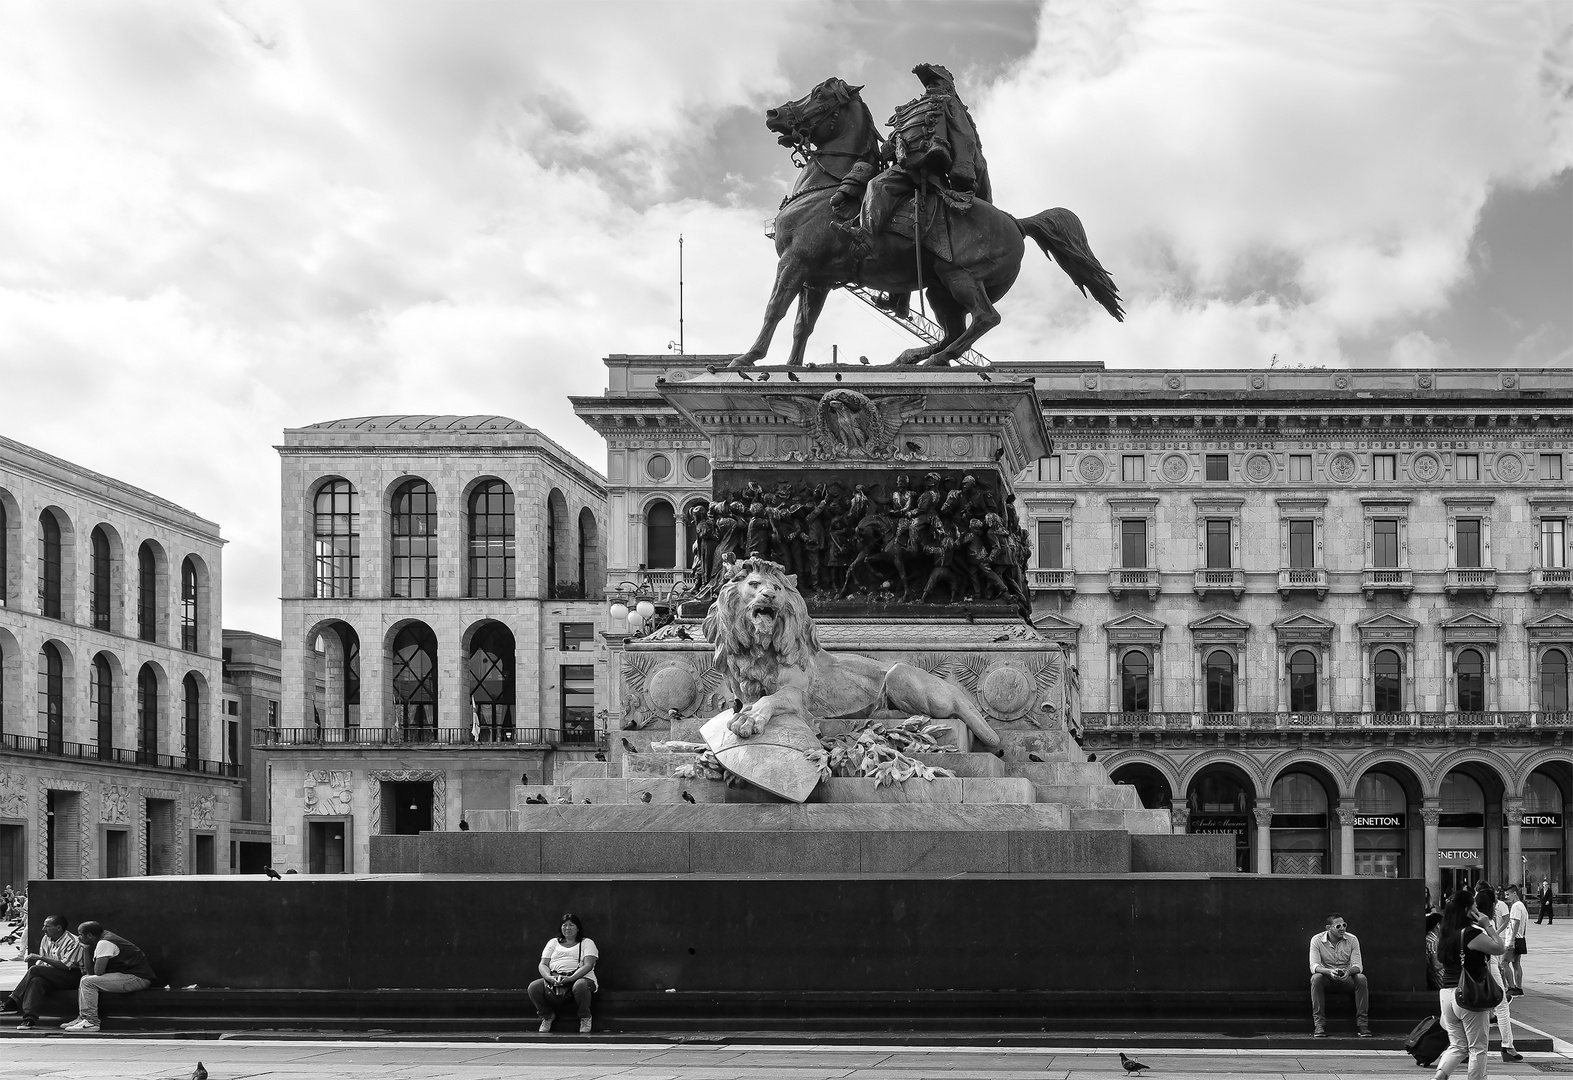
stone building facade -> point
(449, 571)
(112, 757)
(1327, 611)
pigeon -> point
(968, 613)
(683, 634)
(199, 1073)
(811, 365)
(838, 376)
(600, 755)
(644, 796)
(984, 376)
(561, 799)
(674, 714)
(524, 778)
(999, 453)
(272, 873)
(1131, 1065)
(1092, 757)
(587, 800)
(660, 380)
(464, 826)
(913, 447)
(1002, 637)
(998, 752)
(1035, 757)
(629, 748)
(737, 704)
(863, 360)
(689, 798)
(745, 375)
(764, 376)
(710, 368)
(792, 378)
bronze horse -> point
(832, 129)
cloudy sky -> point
(221, 219)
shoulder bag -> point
(1475, 994)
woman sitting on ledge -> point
(567, 970)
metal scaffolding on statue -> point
(925, 328)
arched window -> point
(491, 682)
(48, 565)
(349, 673)
(1302, 681)
(586, 548)
(336, 531)
(1470, 670)
(5, 556)
(660, 536)
(491, 541)
(1554, 681)
(1378, 793)
(147, 593)
(188, 605)
(1387, 671)
(415, 540)
(147, 716)
(1460, 794)
(415, 682)
(101, 690)
(99, 601)
(191, 715)
(1541, 795)
(51, 698)
(1135, 682)
(1298, 793)
(1220, 682)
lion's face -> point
(759, 623)
(759, 600)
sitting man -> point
(112, 965)
(56, 966)
(1335, 964)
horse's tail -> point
(1059, 233)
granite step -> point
(973, 764)
(1059, 772)
(553, 792)
(961, 790)
(713, 816)
(618, 790)
(1130, 821)
(652, 763)
(1090, 796)
(564, 771)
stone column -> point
(1431, 814)
(1264, 837)
(1346, 839)
(1513, 814)
(1179, 817)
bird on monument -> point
(660, 380)
(1131, 1065)
(644, 796)
(1092, 757)
(710, 368)
(674, 714)
(838, 376)
(913, 448)
(1002, 637)
(600, 755)
(968, 613)
(746, 375)
(764, 376)
(562, 799)
(629, 748)
(811, 365)
(683, 634)
(273, 874)
(792, 378)
(689, 798)
(999, 452)
(199, 1073)
(587, 800)
(863, 360)
(1035, 757)
(524, 778)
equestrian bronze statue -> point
(849, 221)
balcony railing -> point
(1126, 579)
(1399, 579)
(1303, 579)
(1058, 580)
(488, 738)
(1325, 721)
(1550, 579)
(106, 755)
(1220, 581)
(1471, 580)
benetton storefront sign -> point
(1379, 821)
(1542, 821)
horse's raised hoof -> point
(937, 361)
(742, 361)
(910, 358)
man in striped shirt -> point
(56, 966)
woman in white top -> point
(567, 970)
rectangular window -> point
(1302, 543)
(232, 742)
(1384, 542)
(1299, 468)
(232, 707)
(1551, 466)
(1133, 469)
(1219, 553)
(578, 703)
(1384, 467)
(273, 714)
(1468, 542)
(1049, 468)
(577, 636)
(1553, 543)
(1218, 467)
(1051, 545)
(1133, 543)
(1467, 466)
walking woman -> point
(1468, 937)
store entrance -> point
(1459, 877)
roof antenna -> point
(678, 344)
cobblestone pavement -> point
(101, 1058)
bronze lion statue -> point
(768, 651)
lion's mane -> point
(752, 666)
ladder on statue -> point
(925, 328)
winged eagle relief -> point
(847, 424)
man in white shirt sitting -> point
(55, 966)
(1335, 965)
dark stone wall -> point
(1110, 933)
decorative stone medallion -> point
(677, 376)
(1425, 381)
(746, 447)
(1509, 467)
(673, 686)
(960, 446)
(1176, 467)
(789, 446)
(1175, 382)
(1341, 381)
(328, 792)
(1006, 692)
(1090, 468)
(1090, 382)
(1258, 467)
(1425, 467)
(1510, 381)
(1342, 468)
(1257, 382)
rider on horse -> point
(932, 138)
